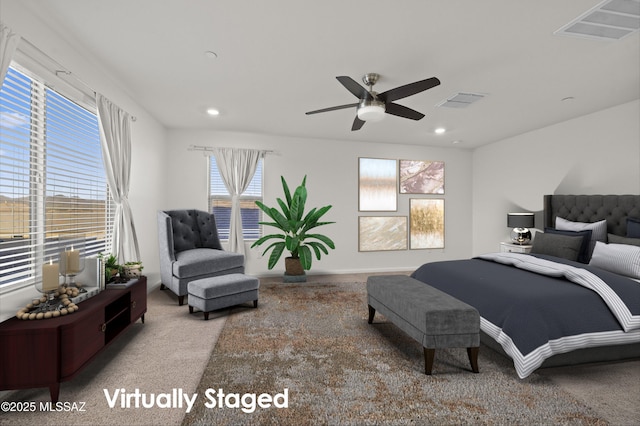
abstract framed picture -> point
(421, 177)
(380, 233)
(377, 185)
(426, 229)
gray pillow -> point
(558, 245)
(617, 239)
(598, 230)
(583, 256)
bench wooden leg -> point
(473, 358)
(372, 313)
(429, 355)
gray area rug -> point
(313, 341)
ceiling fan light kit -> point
(372, 106)
(371, 110)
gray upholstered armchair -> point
(190, 249)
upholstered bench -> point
(430, 316)
(222, 291)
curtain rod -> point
(211, 148)
(63, 70)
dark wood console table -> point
(47, 352)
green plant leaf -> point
(305, 257)
(324, 239)
(285, 188)
(278, 248)
(285, 209)
(318, 246)
(266, 238)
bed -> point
(574, 299)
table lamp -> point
(520, 222)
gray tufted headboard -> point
(592, 208)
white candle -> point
(50, 275)
(73, 261)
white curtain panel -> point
(8, 44)
(237, 167)
(115, 137)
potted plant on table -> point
(294, 226)
(111, 266)
(131, 269)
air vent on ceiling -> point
(461, 100)
(609, 20)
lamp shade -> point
(371, 113)
(520, 220)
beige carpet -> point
(169, 351)
(172, 349)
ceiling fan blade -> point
(355, 88)
(408, 89)
(357, 124)
(332, 108)
(403, 111)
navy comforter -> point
(535, 316)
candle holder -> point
(47, 282)
(71, 264)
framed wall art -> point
(426, 223)
(378, 233)
(377, 184)
(421, 177)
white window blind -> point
(220, 203)
(53, 189)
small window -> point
(220, 203)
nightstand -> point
(506, 247)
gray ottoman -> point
(222, 291)
(432, 317)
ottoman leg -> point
(372, 313)
(429, 355)
(206, 316)
(190, 309)
(255, 303)
(473, 358)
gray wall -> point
(332, 178)
(598, 153)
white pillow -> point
(621, 259)
(598, 230)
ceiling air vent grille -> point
(461, 100)
(609, 20)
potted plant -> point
(294, 236)
(131, 269)
(111, 267)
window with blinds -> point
(53, 189)
(220, 203)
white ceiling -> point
(278, 59)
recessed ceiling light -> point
(440, 130)
(210, 54)
(213, 112)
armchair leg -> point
(162, 287)
(180, 300)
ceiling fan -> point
(372, 106)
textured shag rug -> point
(313, 341)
